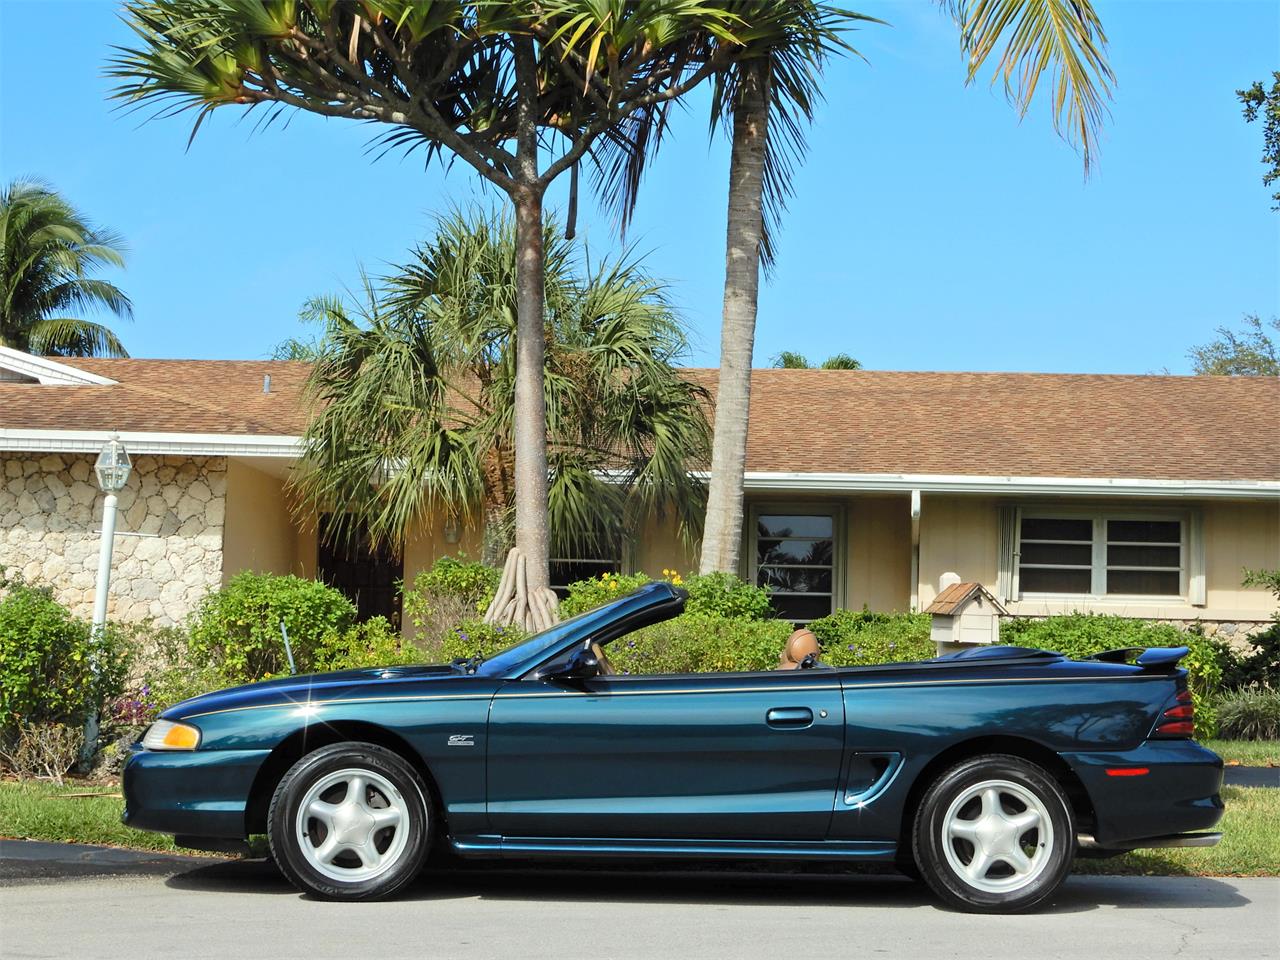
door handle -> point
(784, 717)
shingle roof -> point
(166, 396)
(1013, 424)
(951, 599)
(803, 421)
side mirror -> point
(579, 664)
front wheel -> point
(994, 834)
(351, 821)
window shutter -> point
(1007, 563)
(1196, 591)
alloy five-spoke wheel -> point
(994, 834)
(350, 822)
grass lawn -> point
(1250, 845)
(32, 810)
(1250, 753)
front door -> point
(701, 756)
(368, 574)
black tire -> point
(405, 854)
(1001, 887)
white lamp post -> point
(112, 468)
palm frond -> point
(1063, 37)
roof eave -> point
(1048, 486)
(290, 447)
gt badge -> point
(462, 740)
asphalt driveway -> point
(243, 909)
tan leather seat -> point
(800, 644)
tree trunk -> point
(722, 534)
(530, 403)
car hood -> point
(308, 686)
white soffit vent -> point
(16, 366)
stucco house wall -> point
(168, 549)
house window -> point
(794, 556)
(1102, 555)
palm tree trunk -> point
(722, 535)
(530, 402)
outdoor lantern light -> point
(113, 465)
(452, 529)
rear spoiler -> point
(1156, 659)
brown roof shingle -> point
(803, 421)
(1013, 424)
(167, 396)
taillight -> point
(1180, 719)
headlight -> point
(167, 735)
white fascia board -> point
(49, 372)
(179, 444)
(1056, 486)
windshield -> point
(541, 645)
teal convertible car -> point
(985, 773)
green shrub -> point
(374, 643)
(451, 589)
(237, 629)
(1249, 715)
(473, 638)
(47, 659)
(1259, 668)
(1080, 635)
(701, 643)
(724, 595)
(586, 595)
(861, 638)
(716, 594)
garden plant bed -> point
(1250, 846)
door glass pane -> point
(810, 552)
(1057, 528)
(796, 579)
(800, 608)
(1155, 556)
(1048, 580)
(795, 559)
(1156, 583)
(1144, 531)
(783, 526)
(1066, 554)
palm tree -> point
(765, 96)
(414, 395)
(504, 86)
(48, 255)
(790, 360)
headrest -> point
(801, 644)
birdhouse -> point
(963, 614)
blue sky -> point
(930, 230)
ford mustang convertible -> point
(984, 772)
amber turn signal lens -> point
(167, 735)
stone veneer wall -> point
(51, 515)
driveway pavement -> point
(243, 909)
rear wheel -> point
(994, 834)
(351, 821)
